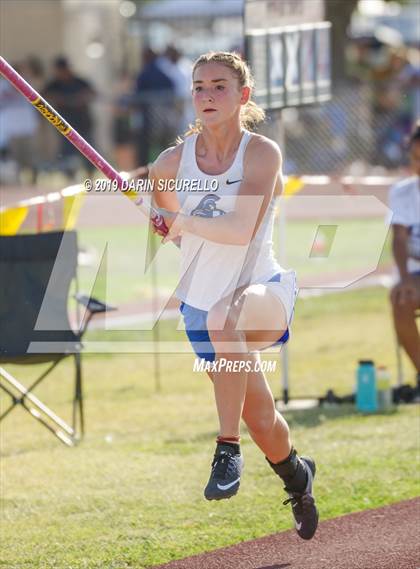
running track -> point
(384, 538)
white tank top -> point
(209, 270)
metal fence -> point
(349, 134)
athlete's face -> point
(217, 95)
(415, 157)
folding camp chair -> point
(35, 276)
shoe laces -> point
(299, 499)
(220, 464)
(293, 499)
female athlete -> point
(235, 298)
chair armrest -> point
(94, 305)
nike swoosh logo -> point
(229, 182)
(298, 525)
(227, 486)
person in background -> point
(8, 167)
(47, 141)
(71, 96)
(124, 149)
(404, 202)
(155, 108)
(178, 68)
(18, 128)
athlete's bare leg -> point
(266, 426)
(255, 307)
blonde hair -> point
(251, 114)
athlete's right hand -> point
(158, 229)
(176, 240)
(176, 228)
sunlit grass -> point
(130, 495)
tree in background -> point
(339, 13)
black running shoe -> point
(225, 474)
(303, 504)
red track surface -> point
(385, 538)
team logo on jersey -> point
(208, 207)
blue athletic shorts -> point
(195, 321)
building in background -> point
(104, 41)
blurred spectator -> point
(35, 72)
(6, 98)
(19, 124)
(8, 167)
(387, 101)
(409, 83)
(71, 96)
(179, 69)
(47, 142)
(405, 296)
(122, 125)
(394, 84)
(155, 125)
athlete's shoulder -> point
(167, 163)
(259, 143)
(262, 148)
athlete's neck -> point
(219, 143)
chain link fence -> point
(348, 135)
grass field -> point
(130, 495)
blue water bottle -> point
(366, 394)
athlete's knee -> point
(404, 310)
(403, 305)
(394, 298)
(261, 310)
